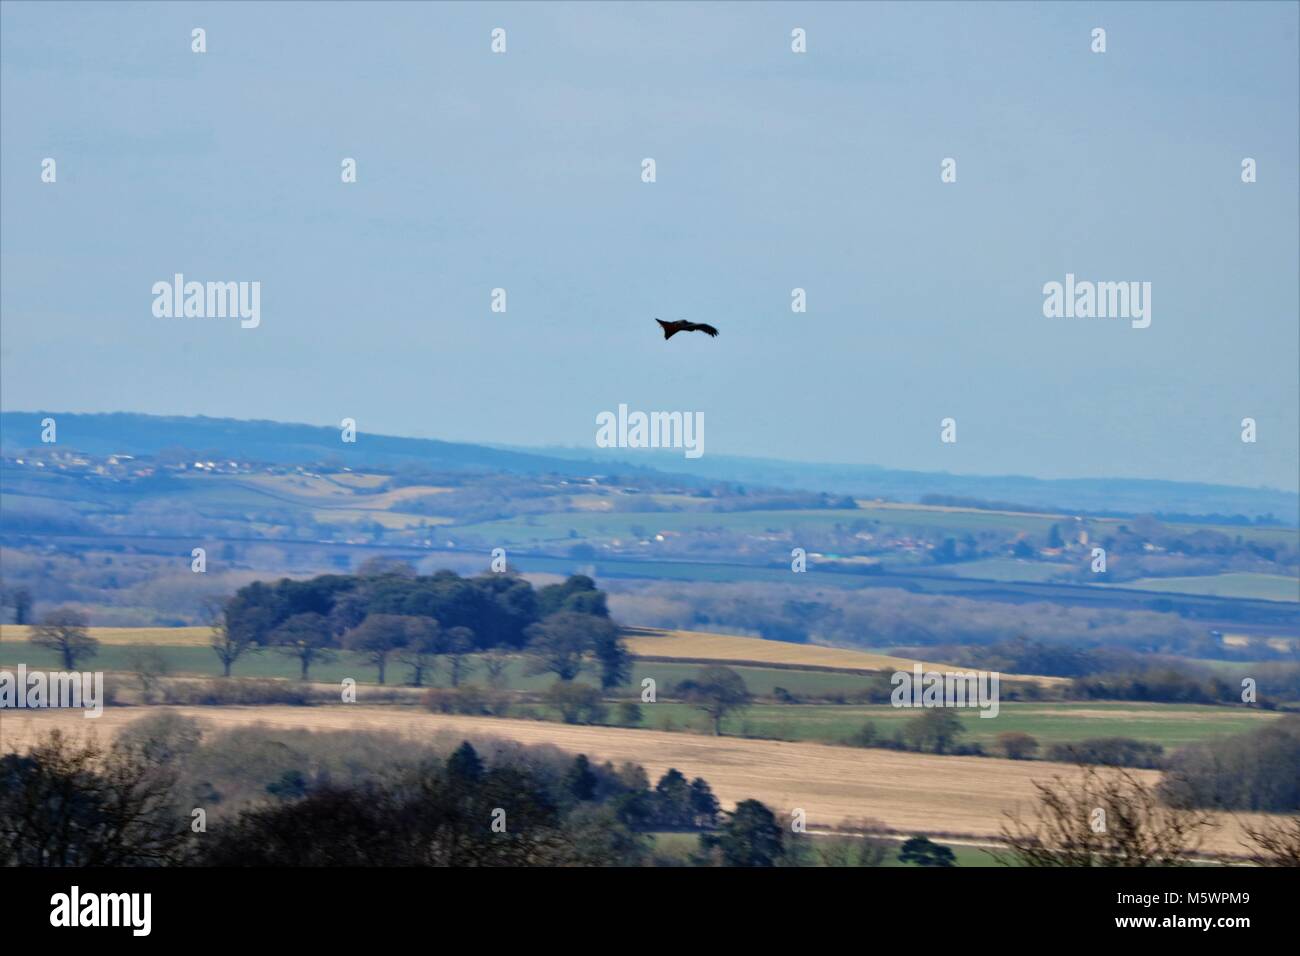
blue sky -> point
(775, 171)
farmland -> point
(960, 796)
(1267, 587)
(671, 657)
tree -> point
(718, 691)
(936, 730)
(1017, 745)
(1109, 818)
(306, 637)
(559, 642)
(598, 837)
(64, 630)
(577, 594)
(459, 644)
(862, 844)
(495, 663)
(379, 567)
(228, 642)
(612, 655)
(921, 851)
(377, 638)
(580, 782)
(577, 703)
(704, 805)
(750, 837)
(149, 667)
(20, 599)
(422, 645)
(672, 800)
(465, 763)
(1275, 844)
(75, 804)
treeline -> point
(895, 617)
(940, 731)
(1259, 770)
(1103, 673)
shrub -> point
(1110, 752)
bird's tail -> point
(668, 330)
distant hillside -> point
(1117, 496)
(135, 434)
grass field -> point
(1267, 587)
(911, 793)
(1169, 725)
(186, 654)
(196, 659)
(552, 528)
(673, 655)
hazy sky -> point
(775, 170)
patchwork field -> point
(703, 646)
(965, 796)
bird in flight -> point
(672, 328)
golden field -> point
(910, 792)
(727, 648)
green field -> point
(1049, 722)
(1266, 587)
(200, 661)
(554, 528)
(1170, 725)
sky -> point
(774, 170)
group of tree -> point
(1258, 770)
(71, 803)
(388, 613)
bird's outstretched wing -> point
(672, 328)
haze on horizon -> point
(774, 171)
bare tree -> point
(150, 667)
(495, 664)
(228, 642)
(1108, 818)
(64, 630)
(458, 646)
(424, 640)
(66, 803)
(1275, 844)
